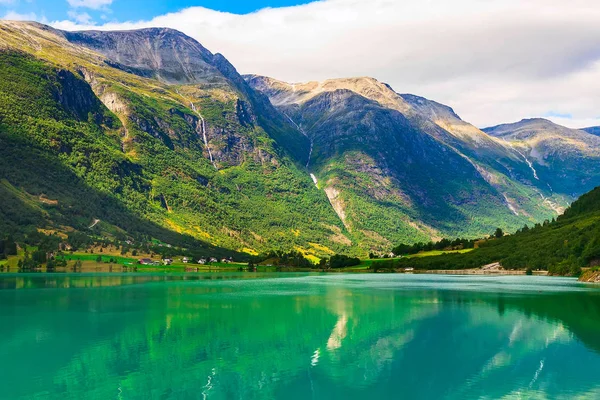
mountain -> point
(147, 135)
(595, 130)
(562, 247)
(398, 166)
(567, 159)
(157, 138)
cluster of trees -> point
(283, 259)
(8, 247)
(297, 260)
(444, 244)
(339, 261)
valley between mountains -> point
(148, 136)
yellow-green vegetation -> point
(369, 262)
(438, 253)
(142, 168)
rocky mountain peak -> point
(284, 94)
(161, 53)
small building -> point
(202, 261)
(167, 261)
(185, 260)
(213, 260)
(146, 261)
(65, 247)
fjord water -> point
(251, 336)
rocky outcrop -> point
(77, 98)
(590, 276)
(164, 54)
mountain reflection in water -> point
(297, 336)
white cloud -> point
(493, 61)
(81, 18)
(93, 4)
(15, 16)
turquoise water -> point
(252, 336)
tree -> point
(341, 261)
(99, 259)
(499, 233)
(323, 263)
(39, 257)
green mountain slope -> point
(191, 163)
(562, 247)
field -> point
(366, 264)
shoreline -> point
(283, 271)
(481, 272)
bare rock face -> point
(160, 53)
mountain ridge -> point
(249, 163)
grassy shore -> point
(366, 264)
(109, 260)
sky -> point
(492, 61)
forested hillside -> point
(562, 247)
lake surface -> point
(253, 336)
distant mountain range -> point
(160, 139)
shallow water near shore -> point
(297, 336)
